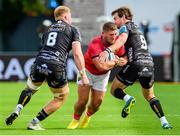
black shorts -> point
(56, 77)
(131, 72)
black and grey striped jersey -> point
(57, 42)
(136, 46)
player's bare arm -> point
(114, 47)
(102, 66)
(119, 42)
(79, 61)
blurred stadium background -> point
(22, 23)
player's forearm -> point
(119, 42)
(78, 56)
(108, 65)
(116, 46)
(79, 61)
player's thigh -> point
(83, 93)
(128, 74)
(100, 82)
(57, 81)
(35, 78)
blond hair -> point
(60, 11)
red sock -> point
(89, 113)
(76, 116)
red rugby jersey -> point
(95, 47)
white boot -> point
(35, 126)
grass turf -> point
(107, 121)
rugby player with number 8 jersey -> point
(50, 66)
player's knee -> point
(149, 97)
(31, 85)
(61, 95)
(96, 104)
(82, 103)
(147, 85)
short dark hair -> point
(109, 26)
(123, 11)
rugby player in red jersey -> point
(98, 75)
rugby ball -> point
(111, 56)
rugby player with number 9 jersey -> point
(140, 65)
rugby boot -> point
(11, 118)
(127, 108)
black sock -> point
(156, 107)
(119, 93)
(42, 115)
(25, 97)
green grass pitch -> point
(107, 121)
